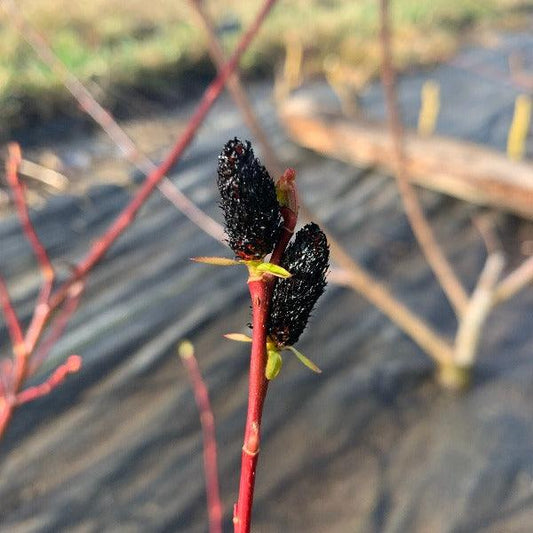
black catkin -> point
(248, 200)
(293, 299)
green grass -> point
(150, 45)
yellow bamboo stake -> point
(516, 141)
(429, 108)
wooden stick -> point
(44, 175)
(461, 169)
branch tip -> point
(186, 349)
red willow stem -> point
(257, 389)
(16, 372)
(57, 327)
(201, 395)
(70, 366)
(260, 293)
(12, 166)
(14, 326)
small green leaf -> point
(239, 337)
(273, 365)
(219, 261)
(275, 270)
(307, 362)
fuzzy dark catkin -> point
(248, 200)
(293, 299)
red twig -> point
(57, 327)
(70, 366)
(260, 293)
(12, 165)
(16, 372)
(13, 323)
(214, 505)
(257, 389)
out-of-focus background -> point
(373, 444)
(142, 54)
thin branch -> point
(47, 270)
(257, 388)
(421, 228)
(485, 228)
(70, 366)
(514, 282)
(57, 327)
(13, 324)
(109, 125)
(14, 375)
(479, 306)
(201, 395)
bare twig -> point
(57, 327)
(12, 165)
(14, 326)
(14, 373)
(260, 293)
(514, 282)
(477, 311)
(201, 394)
(421, 228)
(485, 228)
(70, 366)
